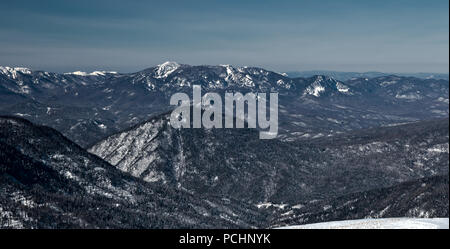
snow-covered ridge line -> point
(12, 71)
(95, 73)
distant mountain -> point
(344, 76)
(87, 107)
(47, 181)
(236, 163)
(422, 198)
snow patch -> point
(387, 83)
(388, 223)
(408, 96)
(444, 100)
(342, 88)
(268, 205)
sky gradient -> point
(127, 36)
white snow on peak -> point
(238, 75)
(95, 73)
(12, 71)
(315, 88)
(230, 71)
(79, 73)
(165, 69)
(102, 73)
(228, 67)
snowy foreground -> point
(388, 223)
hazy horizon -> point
(75, 69)
(403, 36)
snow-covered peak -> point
(315, 88)
(165, 69)
(323, 84)
(12, 71)
(79, 73)
(95, 73)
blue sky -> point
(127, 36)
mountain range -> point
(86, 107)
(96, 150)
(351, 75)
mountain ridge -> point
(47, 181)
(102, 104)
(158, 153)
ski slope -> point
(387, 223)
